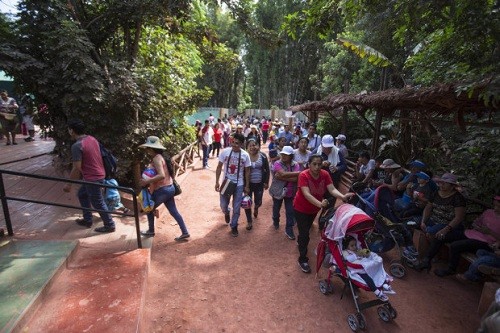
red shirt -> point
(217, 135)
(317, 187)
(86, 149)
(265, 126)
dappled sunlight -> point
(207, 258)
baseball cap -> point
(287, 150)
(341, 137)
(327, 141)
(418, 164)
(422, 175)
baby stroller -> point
(389, 231)
(348, 220)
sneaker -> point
(182, 237)
(249, 226)
(105, 229)
(227, 217)
(304, 266)
(388, 290)
(383, 297)
(84, 223)
(234, 231)
(148, 233)
(411, 250)
(290, 234)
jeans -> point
(290, 220)
(92, 195)
(257, 190)
(206, 152)
(485, 257)
(165, 195)
(224, 205)
(304, 223)
(465, 245)
(452, 236)
(265, 135)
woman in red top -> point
(313, 183)
(216, 145)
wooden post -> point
(376, 134)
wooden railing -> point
(183, 159)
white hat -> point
(287, 150)
(152, 142)
(341, 137)
(327, 141)
(389, 164)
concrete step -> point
(27, 271)
(100, 290)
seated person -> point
(393, 175)
(373, 272)
(443, 217)
(487, 262)
(415, 197)
(333, 160)
(379, 173)
(365, 167)
(484, 234)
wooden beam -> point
(364, 118)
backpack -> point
(109, 162)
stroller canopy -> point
(348, 219)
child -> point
(373, 272)
(416, 197)
(112, 197)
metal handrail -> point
(4, 199)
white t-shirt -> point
(230, 165)
(208, 135)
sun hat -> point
(287, 150)
(341, 137)
(239, 126)
(422, 175)
(418, 164)
(152, 142)
(327, 141)
(389, 164)
(447, 178)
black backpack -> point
(109, 162)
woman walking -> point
(313, 183)
(161, 187)
(259, 178)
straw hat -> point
(152, 142)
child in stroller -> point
(371, 271)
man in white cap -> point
(340, 143)
(333, 160)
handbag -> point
(228, 187)
(177, 187)
(278, 188)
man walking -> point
(206, 136)
(236, 163)
(88, 164)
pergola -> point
(432, 103)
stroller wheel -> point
(397, 270)
(384, 314)
(353, 322)
(410, 262)
(361, 320)
(325, 287)
(391, 310)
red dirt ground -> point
(252, 283)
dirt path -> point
(252, 283)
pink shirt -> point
(488, 219)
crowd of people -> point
(306, 170)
